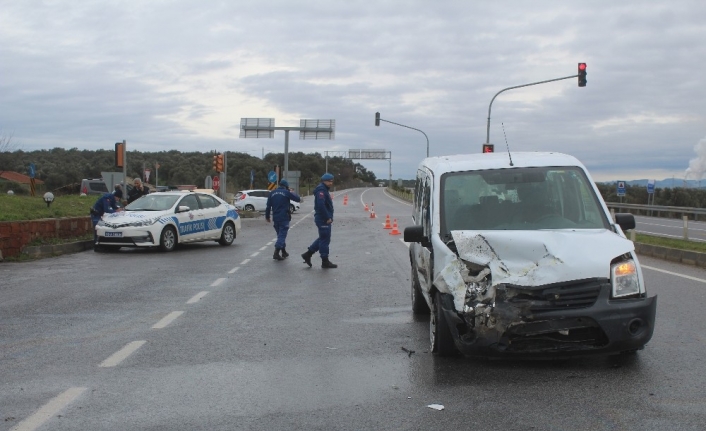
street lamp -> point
(378, 120)
(48, 198)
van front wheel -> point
(442, 343)
(419, 304)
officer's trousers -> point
(322, 242)
(281, 227)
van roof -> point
(499, 160)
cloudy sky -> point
(181, 74)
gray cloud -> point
(177, 74)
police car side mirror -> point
(183, 209)
(626, 221)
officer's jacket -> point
(105, 204)
(278, 204)
(323, 205)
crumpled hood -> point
(534, 258)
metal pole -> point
(326, 169)
(286, 155)
(224, 175)
(390, 179)
(402, 125)
(124, 170)
(487, 136)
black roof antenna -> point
(507, 145)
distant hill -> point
(668, 183)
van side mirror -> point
(626, 221)
(415, 234)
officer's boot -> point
(325, 263)
(284, 253)
(307, 257)
(276, 256)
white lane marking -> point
(270, 243)
(233, 270)
(217, 282)
(405, 243)
(197, 297)
(263, 248)
(674, 273)
(49, 410)
(255, 254)
(245, 261)
(121, 354)
(166, 320)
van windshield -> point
(520, 199)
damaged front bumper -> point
(529, 322)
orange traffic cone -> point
(366, 207)
(395, 231)
(387, 222)
(372, 211)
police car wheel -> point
(168, 239)
(227, 235)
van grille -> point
(558, 296)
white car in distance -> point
(256, 200)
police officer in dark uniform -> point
(278, 205)
(108, 203)
(323, 217)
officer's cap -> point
(284, 183)
(327, 177)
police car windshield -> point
(153, 202)
(520, 199)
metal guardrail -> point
(683, 213)
(408, 196)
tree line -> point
(62, 170)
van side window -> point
(426, 207)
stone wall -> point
(15, 235)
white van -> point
(517, 255)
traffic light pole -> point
(378, 119)
(487, 136)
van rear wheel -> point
(442, 343)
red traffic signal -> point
(582, 74)
(488, 148)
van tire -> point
(442, 343)
(419, 304)
(168, 239)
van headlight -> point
(623, 277)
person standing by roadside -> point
(105, 204)
(137, 191)
(278, 204)
(323, 218)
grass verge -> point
(678, 244)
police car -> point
(169, 218)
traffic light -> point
(377, 118)
(582, 74)
(488, 148)
(119, 154)
(218, 162)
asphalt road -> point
(225, 338)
